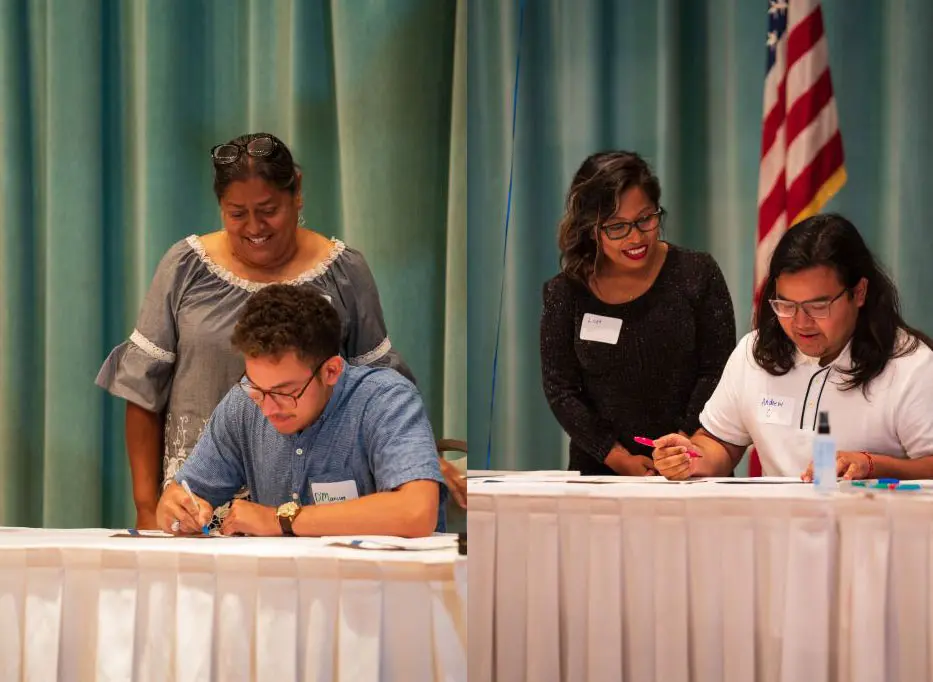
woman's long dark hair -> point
(593, 197)
(832, 241)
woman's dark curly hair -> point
(832, 241)
(594, 197)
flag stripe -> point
(772, 207)
(807, 184)
(806, 70)
(813, 100)
(774, 119)
(772, 168)
(775, 78)
(767, 244)
(803, 35)
(801, 152)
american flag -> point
(801, 147)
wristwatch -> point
(286, 514)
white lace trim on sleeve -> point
(150, 349)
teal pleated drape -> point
(681, 83)
(108, 110)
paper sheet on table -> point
(388, 542)
(631, 479)
(522, 479)
(548, 474)
(759, 479)
(511, 480)
(135, 533)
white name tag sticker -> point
(776, 409)
(601, 329)
(329, 493)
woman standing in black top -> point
(635, 331)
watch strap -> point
(285, 523)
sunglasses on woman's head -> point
(230, 152)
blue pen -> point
(184, 484)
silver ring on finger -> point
(176, 526)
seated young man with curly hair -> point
(323, 447)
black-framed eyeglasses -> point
(230, 152)
(817, 310)
(284, 401)
(623, 229)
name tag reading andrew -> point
(775, 409)
(601, 329)
(328, 493)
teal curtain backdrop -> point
(681, 82)
(108, 110)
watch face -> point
(287, 509)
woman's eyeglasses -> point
(623, 229)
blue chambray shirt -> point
(374, 431)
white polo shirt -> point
(778, 414)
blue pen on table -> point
(184, 484)
(887, 484)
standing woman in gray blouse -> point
(178, 361)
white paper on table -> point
(759, 479)
(389, 542)
(522, 479)
(135, 533)
(922, 482)
(583, 479)
(632, 479)
(548, 474)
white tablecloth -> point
(701, 582)
(80, 605)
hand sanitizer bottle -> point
(824, 457)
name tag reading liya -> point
(601, 329)
(328, 493)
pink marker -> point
(641, 440)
